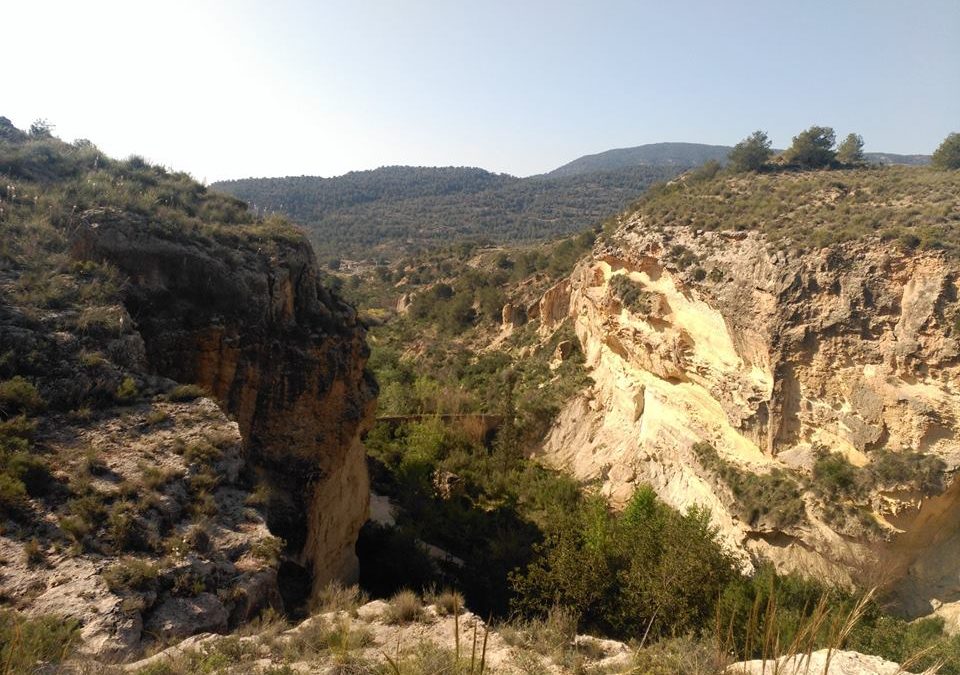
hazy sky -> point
(233, 89)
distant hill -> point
(686, 154)
(654, 154)
(403, 209)
(406, 209)
(890, 158)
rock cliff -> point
(181, 403)
(807, 397)
(249, 320)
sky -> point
(241, 88)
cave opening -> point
(295, 583)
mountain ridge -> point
(684, 153)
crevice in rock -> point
(296, 583)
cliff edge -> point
(804, 393)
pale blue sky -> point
(232, 89)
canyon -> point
(738, 362)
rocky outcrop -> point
(248, 318)
(775, 358)
(823, 661)
(512, 316)
(381, 642)
(161, 544)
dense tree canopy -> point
(752, 153)
(398, 209)
(813, 148)
(947, 156)
(850, 151)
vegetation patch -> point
(27, 644)
(762, 500)
(916, 207)
(131, 574)
(633, 296)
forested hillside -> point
(653, 154)
(407, 209)
(687, 154)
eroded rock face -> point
(165, 544)
(253, 324)
(774, 358)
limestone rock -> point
(130, 444)
(285, 357)
(180, 617)
(771, 359)
(822, 662)
(513, 316)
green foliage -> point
(186, 392)
(203, 453)
(26, 643)
(834, 476)
(48, 191)
(131, 574)
(127, 390)
(19, 395)
(772, 499)
(13, 494)
(812, 148)
(751, 154)
(814, 209)
(916, 470)
(850, 150)
(649, 571)
(900, 640)
(633, 296)
(947, 155)
(399, 209)
(22, 472)
(405, 606)
(708, 171)
(268, 549)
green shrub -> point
(812, 148)
(834, 476)
(202, 452)
(18, 395)
(750, 154)
(131, 574)
(29, 469)
(13, 494)
(633, 296)
(916, 470)
(155, 417)
(268, 549)
(772, 499)
(27, 642)
(186, 392)
(127, 390)
(75, 527)
(123, 528)
(649, 570)
(947, 155)
(404, 607)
